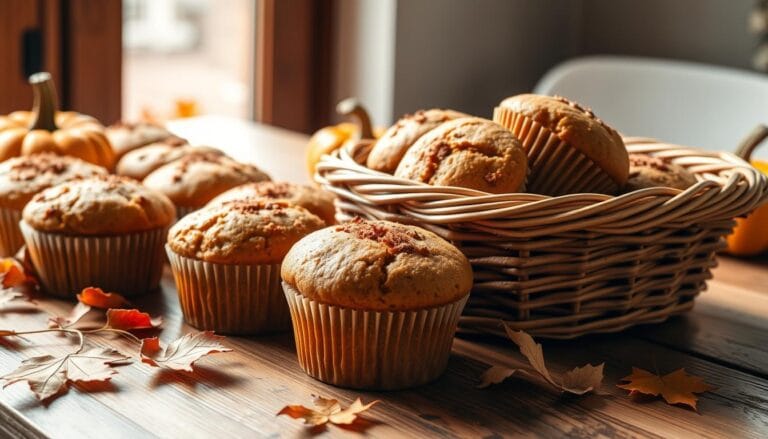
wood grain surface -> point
(238, 394)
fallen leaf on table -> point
(182, 353)
(77, 313)
(47, 375)
(6, 332)
(578, 381)
(326, 411)
(97, 298)
(7, 294)
(128, 319)
(676, 387)
(12, 280)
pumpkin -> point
(46, 130)
(750, 236)
(330, 138)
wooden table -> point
(724, 340)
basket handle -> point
(753, 139)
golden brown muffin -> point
(646, 171)
(390, 148)
(23, 177)
(577, 126)
(242, 232)
(195, 179)
(142, 161)
(470, 152)
(100, 205)
(315, 200)
(126, 137)
(378, 266)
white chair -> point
(690, 104)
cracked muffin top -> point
(142, 161)
(377, 266)
(242, 232)
(315, 200)
(126, 137)
(100, 205)
(195, 179)
(22, 177)
(390, 148)
(469, 152)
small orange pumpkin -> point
(330, 138)
(46, 130)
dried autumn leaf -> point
(326, 411)
(676, 387)
(578, 381)
(78, 312)
(48, 375)
(182, 353)
(97, 298)
(6, 332)
(128, 319)
(12, 273)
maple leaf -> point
(78, 312)
(97, 298)
(577, 381)
(182, 353)
(326, 411)
(128, 319)
(676, 387)
(47, 375)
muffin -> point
(226, 260)
(646, 171)
(106, 231)
(468, 152)
(21, 178)
(126, 137)
(195, 179)
(390, 148)
(315, 200)
(375, 304)
(569, 149)
(142, 161)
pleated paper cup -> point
(182, 211)
(373, 350)
(130, 264)
(555, 167)
(11, 239)
(228, 298)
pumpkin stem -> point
(44, 109)
(353, 107)
(755, 138)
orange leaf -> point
(128, 319)
(326, 411)
(47, 376)
(12, 273)
(6, 332)
(78, 312)
(676, 387)
(182, 353)
(97, 298)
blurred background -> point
(286, 62)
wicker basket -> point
(561, 267)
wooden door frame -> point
(294, 59)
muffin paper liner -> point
(228, 298)
(555, 167)
(11, 239)
(374, 350)
(130, 264)
(182, 211)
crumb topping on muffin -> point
(396, 240)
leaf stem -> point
(116, 331)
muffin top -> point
(390, 148)
(378, 266)
(196, 179)
(99, 205)
(470, 152)
(647, 171)
(142, 161)
(242, 232)
(577, 126)
(126, 136)
(315, 200)
(23, 177)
